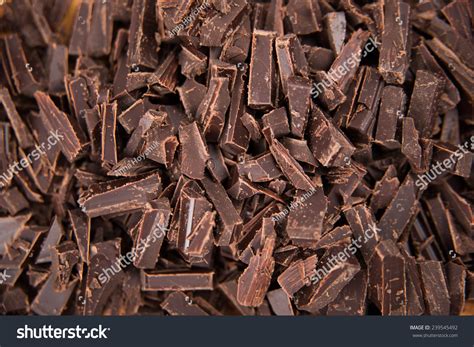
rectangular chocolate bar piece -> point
(262, 81)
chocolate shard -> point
(463, 75)
(176, 281)
(280, 303)
(108, 139)
(193, 62)
(299, 90)
(291, 59)
(297, 275)
(80, 32)
(456, 283)
(213, 108)
(260, 169)
(22, 69)
(450, 97)
(235, 138)
(191, 94)
(329, 145)
(179, 304)
(299, 150)
(100, 284)
(69, 136)
(277, 121)
(350, 54)
(290, 167)
(333, 272)
(53, 238)
(385, 189)
(52, 302)
(306, 215)
(435, 289)
(326, 91)
(411, 147)
(22, 133)
(387, 281)
(215, 29)
(351, 301)
(100, 29)
(395, 50)
(255, 280)
(319, 58)
(364, 229)
(194, 153)
(415, 300)
(335, 22)
(400, 211)
(392, 108)
(81, 227)
(424, 101)
(339, 235)
(262, 81)
(226, 210)
(304, 16)
(152, 230)
(120, 196)
(142, 43)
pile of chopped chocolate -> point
(235, 157)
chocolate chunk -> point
(178, 304)
(297, 275)
(194, 151)
(387, 281)
(21, 131)
(435, 289)
(305, 16)
(333, 272)
(226, 210)
(215, 28)
(299, 90)
(351, 299)
(392, 108)
(277, 121)
(255, 280)
(280, 303)
(335, 22)
(305, 219)
(261, 169)
(121, 196)
(424, 101)
(328, 144)
(395, 49)
(290, 167)
(69, 136)
(213, 108)
(177, 281)
(262, 81)
(400, 211)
